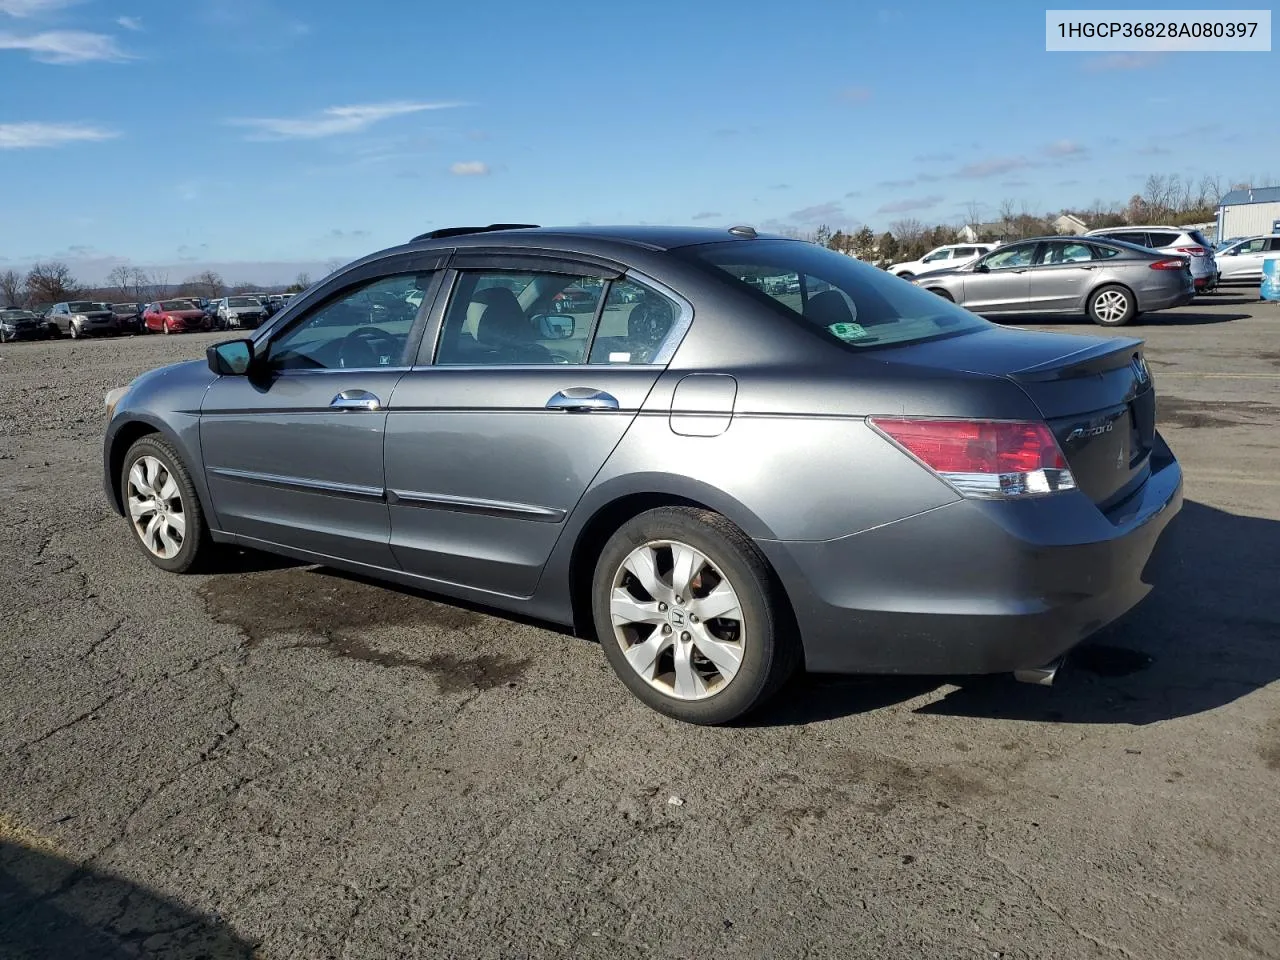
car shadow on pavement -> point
(52, 909)
(1208, 634)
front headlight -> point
(113, 398)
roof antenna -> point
(744, 231)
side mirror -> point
(555, 326)
(981, 268)
(231, 359)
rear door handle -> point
(582, 400)
(355, 400)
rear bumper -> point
(1164, 300)
(976, 587)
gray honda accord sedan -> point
(724, 455)
(1109, 281)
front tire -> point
(75, 332)
(1112, 306)
(905, 275)
(689, 616)
(162, 507)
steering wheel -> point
(357, 348)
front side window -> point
(1253, 246)
(936, 255)
(848, 301)
(1018, 255)
(499, 318)
(364, 327)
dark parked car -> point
(83, 318)
(719, 483)
(129, 316)
(1109, 281)
(18, 324)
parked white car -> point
(946, 257)
(1175, 241)
(1241, 261)
(236, 313)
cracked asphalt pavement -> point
(281, 761)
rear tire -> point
(697, 564)
(1112, 306)
(160, 489)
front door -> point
(1060, 275)
(1002, 286)
(491, 443)
(293, 455)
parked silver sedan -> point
(1109, 281)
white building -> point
(1249, 212)
(1070, 226)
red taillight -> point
(1170, 264)
(1194, 251)
(985, 458)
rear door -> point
(1003, 287)
(1060, 275)
(511, 410)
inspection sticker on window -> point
(847, 331)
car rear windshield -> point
(242, 302)
(849, 301)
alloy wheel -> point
(1111, 305)
(156, 508)
(677, 619)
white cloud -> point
(1064, 148)
(469, 168)
(32, 8)
(65, 46)
(20, 136)
(130, 23)
(333, 121)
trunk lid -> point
(1096, 395)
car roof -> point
(1144, 226)
(649, 236)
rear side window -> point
(1158, 238)
(1273, 244)
(966, 251)
(1104, 253)
(846, 300)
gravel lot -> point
(284, 762)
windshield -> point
(84, 306)
(178, 305)
(242, 302)
(850, 301)
(16, 315)
(124, 307)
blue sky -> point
(260, 136)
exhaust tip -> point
(1044, 676)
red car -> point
(174, 316)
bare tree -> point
(973, 213)
(207, 284)
(157, 284)
(121, 280)
(12, 289)
(51, 282)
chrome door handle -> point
(582, 400)
(355, 400)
